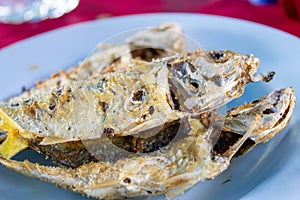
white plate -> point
(271, 170)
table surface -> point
(269, 14)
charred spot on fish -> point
(227, 139)
(32, 111)
(27, 101)
(139, 95)
(277, 96)
(127, 180)
(15, 105)
(59, 92)
(153, 143)
(58, 83)
(112, 91)
(149, 192)
(52, 107)
(151, 110)
(218, 56)
(103, 106)
(269, 76)
(69, 90)
(109, 132)
(269, 111)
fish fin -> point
(55, 140)
(77, 180)
(57, 175)
(14, 142)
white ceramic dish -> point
(270, 171)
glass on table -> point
(19, 11)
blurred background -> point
(20, 19)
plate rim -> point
(126, 17)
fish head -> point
(205, 80)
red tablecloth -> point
(270, 14)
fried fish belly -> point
(281, 102)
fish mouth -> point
(250, 64)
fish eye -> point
(218, 56)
